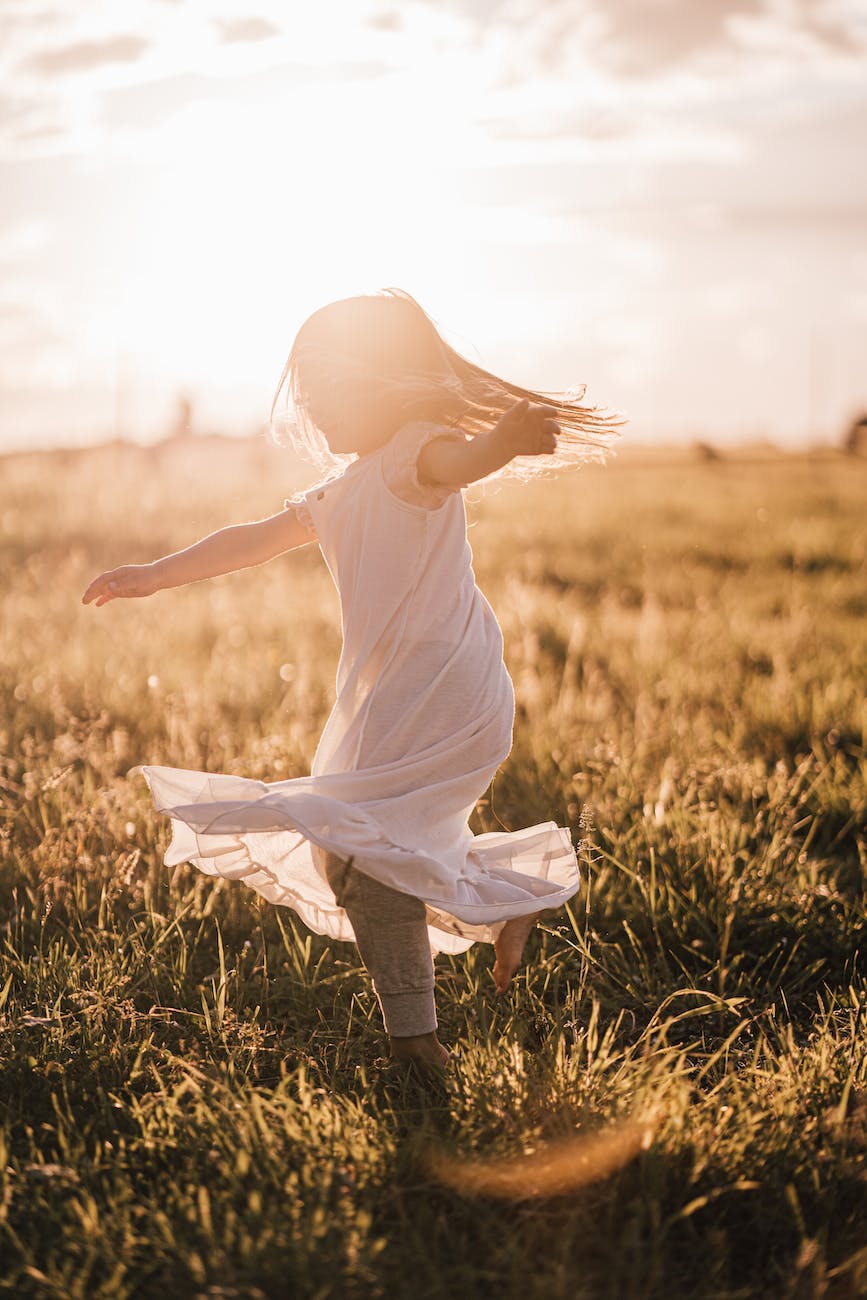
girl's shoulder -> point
(305, 501)
(415, 434)
(318, 489)
(399, 460)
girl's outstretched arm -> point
(237, 547)
(526, 429)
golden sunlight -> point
(551, 1169)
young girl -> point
(374, 845)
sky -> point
(664, 200)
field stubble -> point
(193, 1102)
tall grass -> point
(194, 1096)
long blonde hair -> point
(386, 348)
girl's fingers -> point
(101, 589)
(538, 411)
(518, 411)
(537, 425)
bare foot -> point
(424, 1050)
(509, 947)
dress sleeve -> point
(299, 504)
(400, 465)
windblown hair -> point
(384, 349)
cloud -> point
(83, 56)
(387, 20)
(641, 39)
(15, 110)
(13, 312)
(818, 19)
(24, 328)
(637, 40)
(64, 71)
(588, 121)
(146, 105)
(247, 29)
(21, 238)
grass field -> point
(193, 1101)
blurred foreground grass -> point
(192, 1097)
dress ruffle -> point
(302, 510)
(261, 833)
(400, 465)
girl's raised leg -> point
(509, 948)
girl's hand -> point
(129, 580)
(527, 429)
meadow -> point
(194, 1096)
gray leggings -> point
(391, 933)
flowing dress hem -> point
(505, 874)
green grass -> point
(193, 1096)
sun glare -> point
(260, 213)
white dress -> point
(422, 720)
